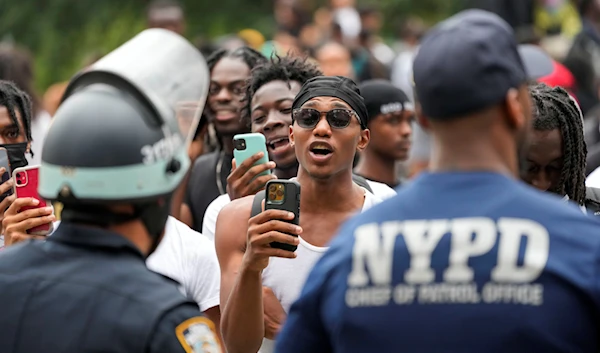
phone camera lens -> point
(280, 192)
(272, 196)
(272, 188)
(240, 145)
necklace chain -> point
(218, 172)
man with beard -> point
(466, 258)
(229, 71)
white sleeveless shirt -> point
(286, 277)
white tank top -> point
(286, 277)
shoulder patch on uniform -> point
(198, 335)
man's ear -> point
(291, 135)
(421, 118)
(363, 142)
(515, 103)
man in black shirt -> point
(229, 70)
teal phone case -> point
(247, 145)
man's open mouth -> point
(321, 150)
(278, 143)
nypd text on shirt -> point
(512, 279)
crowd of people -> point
(445, 186)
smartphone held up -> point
(26, 185)
(5, 163)
(247, 145)
(284, 195)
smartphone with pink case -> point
(26, 185)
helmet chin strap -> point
(153, 216)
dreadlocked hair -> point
(555, 109)
(12, 98)
(287, 68)
(251, 57)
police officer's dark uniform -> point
(87, 289)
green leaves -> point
(61, 34)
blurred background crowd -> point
(44, 43)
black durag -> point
(334, 86)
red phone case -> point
(26, 185)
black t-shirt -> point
(203, 188)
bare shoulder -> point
(232, 224)
(236, 210)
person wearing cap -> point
(538, 65)
(390, 118)
(329, 126)
(466, 258)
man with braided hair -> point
(556, 158)
(229, 70)
(15, 137)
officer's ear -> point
(422, 119)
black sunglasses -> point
(308, 118)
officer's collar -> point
(76, 234)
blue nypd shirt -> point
(456, 262)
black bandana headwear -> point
(334, 86)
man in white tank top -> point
(270, 93)
(258, 282)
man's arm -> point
(183, 330)
(242, 333)
(242, 323)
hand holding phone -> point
(284, 195)
(17, 223)
(251, 168)
(274, 231)
(6, 188)
(26, 186)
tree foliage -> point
(61, 34)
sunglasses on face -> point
(308, 118)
